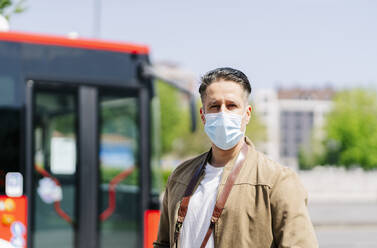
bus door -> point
(83, 154)
(119, 199)
(54, 165)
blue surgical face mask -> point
(224, 129)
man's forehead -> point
(227, 90)
(224, 84)
(224, 97)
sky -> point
(306, 43)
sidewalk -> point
(342, 206)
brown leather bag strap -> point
(220, 203)
(182, 211)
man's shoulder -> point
(269, 172)
(262, 170)
(184, 171)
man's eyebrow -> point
(212, 101)
(236, 101)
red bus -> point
(78, 143)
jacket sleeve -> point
(163, 237)
(291, 223)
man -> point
(267, 205)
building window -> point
(285, 152)
(297, 114)
(298, 125)
(284, 114)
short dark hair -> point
(224, 73)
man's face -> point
(226, 96)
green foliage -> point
(191, 144)
(352, 130)
(177, 138)
(9, 7)
(65, 123)
(311, 155)
(4, 4)
(165, 175)
(119, 118)
(305, 161)
(109, 173)
(308, 159)
(174, 116)
(256, 130)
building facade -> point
(293, 117)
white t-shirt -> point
(200, 208)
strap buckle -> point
(178, 227)
(214, 219)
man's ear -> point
(248, 113)
(202, 116)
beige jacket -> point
(266, 208)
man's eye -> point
(214, 106)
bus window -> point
(55, 142)
(119, 183)
(7, 91)
(9, 130)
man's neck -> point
(221, 157)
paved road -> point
(347, 236)
(347, 225)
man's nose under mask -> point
(224, 129)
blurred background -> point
(312, 66)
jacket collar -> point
(228, 167)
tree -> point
(352, 130)
(9, 7)
(256, 130)
(174, 116)
(312, 155)
(193, 143)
